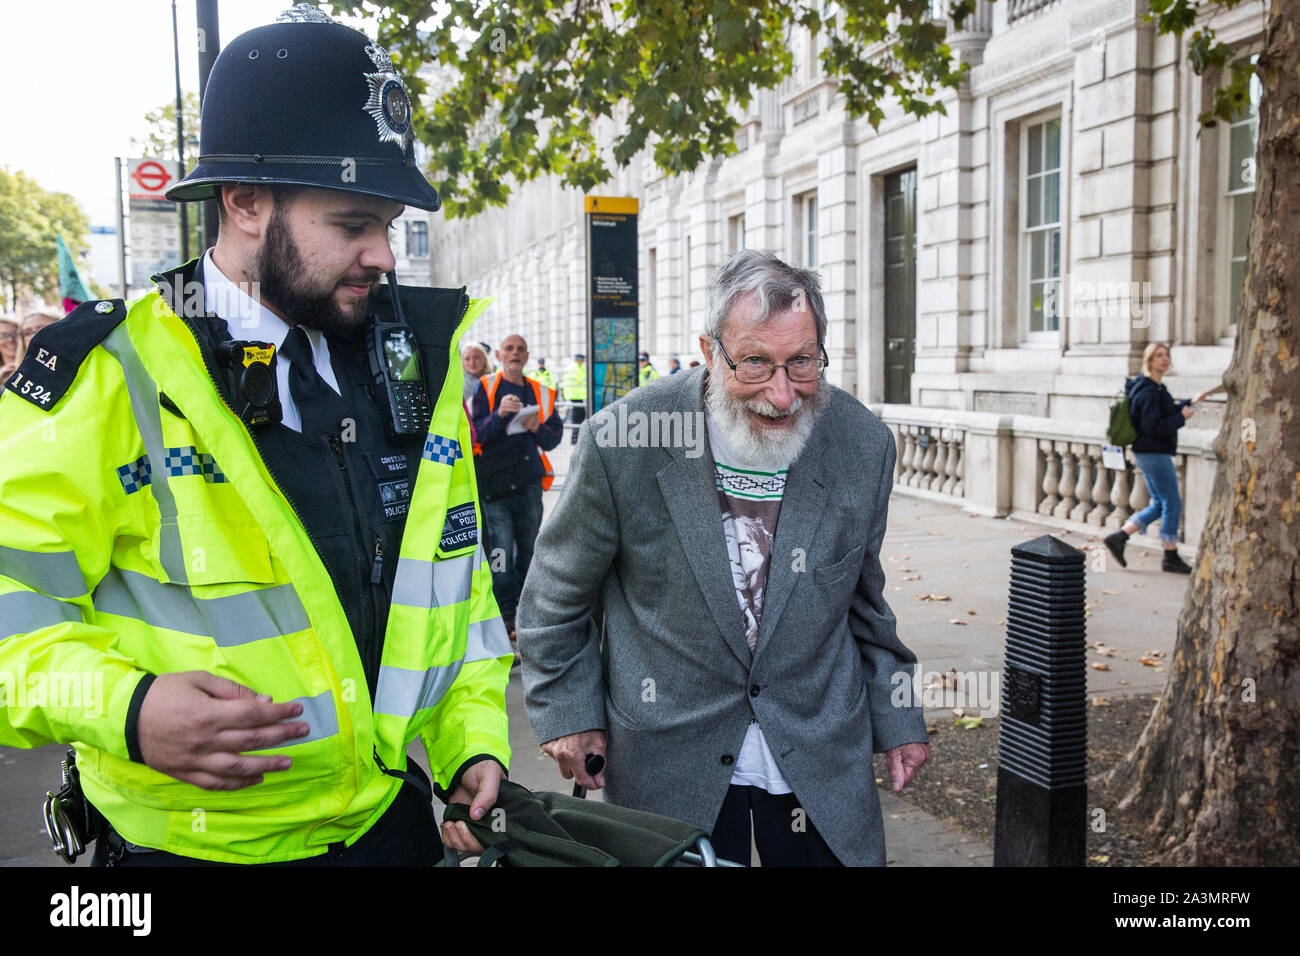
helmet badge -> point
(302, 13)
(388, 103)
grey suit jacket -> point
(671, 679)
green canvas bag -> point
(1121, 431)
(553, 829)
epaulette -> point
(57, 351)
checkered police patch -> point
(444, 450)
(135, 475)
(179, 462)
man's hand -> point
(509, 405)
(904, 761)
(197, 727)
(1188, 411)
(478, 787)
(570, 755)
(531, 422)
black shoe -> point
(1115, 545)
(1174, 563)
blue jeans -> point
(1162, 485)
(512, 526)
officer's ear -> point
(246, 208)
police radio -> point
(395, 369)
(250, 375)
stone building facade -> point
(1012, 258)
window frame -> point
(1224, 327)
(1024, 232)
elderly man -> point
(747, 664)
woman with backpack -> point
(1157, 418)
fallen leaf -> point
(1123, 682)
(933, 597)
(1100, 702)
(1105, 651)
(969, 611)
(958, 711)
(1100, 666)
(970, 723)
(957, 620)
(879, 781)
(1100, 858)
(1109, 591)
(1149, 661)
(912, 577)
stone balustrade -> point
(1041, 469)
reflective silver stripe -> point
(23, 611)
(229, 621)
(321, 718)
(430, 584)
(52, 572)
(402, 692)
(144, 403)
(486, 640)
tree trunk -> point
(1216, 772)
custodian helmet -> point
(311, 102)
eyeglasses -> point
(754, 370)
(8, 336)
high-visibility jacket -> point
(140, 532)
(575, 384)
(648, 373)
(544, 376)
(545, 402)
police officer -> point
(575, 391)
(274, 580)
(648, 372)
(543, 375)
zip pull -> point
(377, 568)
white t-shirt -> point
(750, 502)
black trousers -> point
(784, 834)
(406, 835)
(577, 414)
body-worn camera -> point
(249, 368)
(397, 374)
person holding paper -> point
(516, 423)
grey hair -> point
(778, 286)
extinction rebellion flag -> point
(71, 288)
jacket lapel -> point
(691, 495)
(802, 509)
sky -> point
(79, 76)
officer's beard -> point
(284, 284)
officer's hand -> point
(509, 405)
(197, 727)
(904, 761)
(531, 422)
(570, 755)
(478, 787)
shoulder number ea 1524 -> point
(25, 386)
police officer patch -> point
(460, 529)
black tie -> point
(319, 406)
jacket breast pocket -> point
(216, 551)
(832, 573)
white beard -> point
(767, 450)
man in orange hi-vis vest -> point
(515, 423)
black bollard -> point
(1042, 750)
